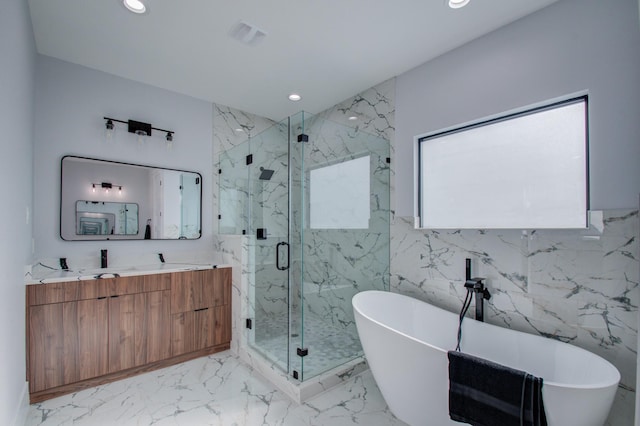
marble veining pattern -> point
(577, 286)
(214, 390)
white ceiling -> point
(326, 50)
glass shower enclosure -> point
(313, 197)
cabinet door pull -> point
(113, 297)
(201, 309)
(102, 297)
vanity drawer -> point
(201, 289)
(43, 294)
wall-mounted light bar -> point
(140, 128)
(106, 187)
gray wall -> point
(17, 85)
(71, 102)
(568, 47)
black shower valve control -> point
(477, 285)
(474, 283)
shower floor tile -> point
(328, 345)
(214, 390)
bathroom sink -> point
(98, 271)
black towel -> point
(484, 393)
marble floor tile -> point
(214, 390)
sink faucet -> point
(103, 258)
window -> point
(339, 195)
(521, 171)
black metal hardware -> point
(282, 268)
(114, 297)
(467, 270)
(261, 233)
(101, 297)
(219, 216)
(219, 171)
(295, 374)
(302, 351)
(476, 286)
(249, 159)
(103, 258)
(161, 256)
(244, 232)
(138, 127)
(63, 263)
(199, 310)
(388, 160)
(248, 323)
(303, 138)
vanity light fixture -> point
(457, 4)
(106, 187)
(109, 130)
(139, 128)
(135, 6)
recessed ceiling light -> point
(136, 6)
(353, 118)
(294, 97)
(457, 4)
(239, 130)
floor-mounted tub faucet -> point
(476, 286)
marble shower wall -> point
(579, 287)
(338, 263)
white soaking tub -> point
(406, 341)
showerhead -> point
(265, 174)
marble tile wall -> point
(580, 287)
(338, 263)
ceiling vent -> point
(247, 33)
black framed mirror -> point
(110, 200)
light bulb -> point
(457, 4)
(135, 6)
(109, 131)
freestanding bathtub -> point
(406, 341)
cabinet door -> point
(138, 329)
(200, 289)
(121, 332)
(218, 286)
(68, 342)
(152, 326)
(187, 292)
(222, 331)
(192, 331)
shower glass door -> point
(339, 236)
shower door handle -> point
(282, 268)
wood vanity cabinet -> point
(84, 333)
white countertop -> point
(42, 274)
